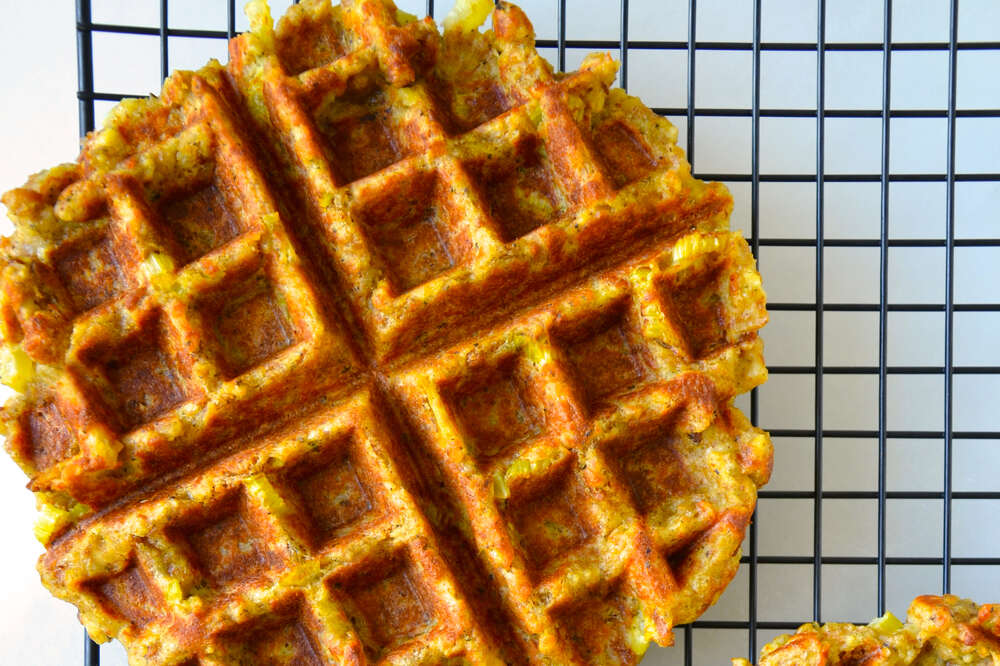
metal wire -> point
(91, 651)
(818, 340)
(87, 95)
(883, 300)
(949, 299)
(691, 51)
(85, 65)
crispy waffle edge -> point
(378, 345)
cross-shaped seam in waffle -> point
(441, 192)
(437, 195)
(187, 304)
(594, 452)
(310, 541)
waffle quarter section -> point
(157, 302)
(591, 447)
(308, 544)
(452, 181)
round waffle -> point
(383, 346)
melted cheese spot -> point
(16, 368)
(468, 15)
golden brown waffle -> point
(379, 346)
(939, 631)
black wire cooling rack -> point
(624, 46)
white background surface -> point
(38, 128)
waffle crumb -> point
(939, 631)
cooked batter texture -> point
(379, 345)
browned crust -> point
(383, 346)
(944, 630)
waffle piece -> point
(942, 630)
(383, 346)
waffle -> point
(940, 630)
(383, 346)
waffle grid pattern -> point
(597, 465)
(471, 199)
(563, 43)
(328, 510)
(551, 468)
(154, 351)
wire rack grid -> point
(870, 219)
